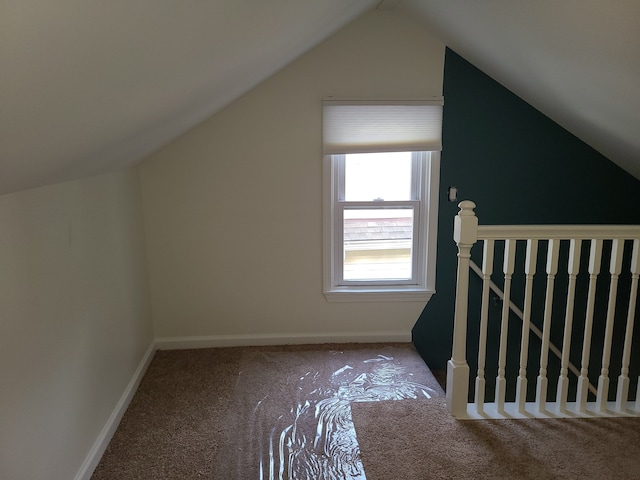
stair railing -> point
(467, 232)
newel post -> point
(465, 234)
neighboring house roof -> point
(91, 87)
(362, 230)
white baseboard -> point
(213, 341)
(100, 445)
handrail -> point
(557, 232)
(533, 328)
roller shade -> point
(363, 126)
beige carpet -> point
(418, 440)
(258, 413)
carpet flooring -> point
(259, 412)
(419, 440)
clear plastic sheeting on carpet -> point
(297, 423)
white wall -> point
(233, 209)
(74, 318)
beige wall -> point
(233, 209)
(74, 318)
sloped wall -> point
(75, 318)
(519, 167)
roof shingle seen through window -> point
(377, 229)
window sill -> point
(378, 294)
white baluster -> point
(507, 268)
(595, 259)
(615, 267)
(487, 270)
(573, 267)
(465, 234)
(552, 270)
(623, 380)
(529, 270)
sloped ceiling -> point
(577, 61)
(89, 87)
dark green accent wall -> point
(519, 167)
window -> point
(381, 181)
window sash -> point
(417, 160)
(339, 242)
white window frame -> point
(422, 286)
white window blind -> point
(363, 126)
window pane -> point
(378, 176)
(378, 244)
